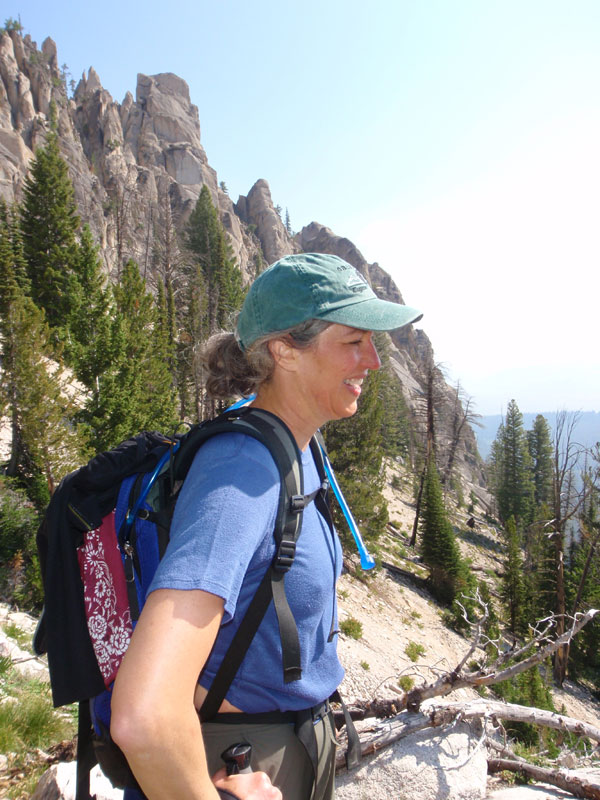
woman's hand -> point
(249, 786)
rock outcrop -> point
(138, 166)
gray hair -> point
(232, 372)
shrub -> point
(18, 520)
(365, 665)
(396, 483)
(351, 627)
(414, 650)
(406, 683)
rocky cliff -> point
(139, 163)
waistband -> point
(271, 717)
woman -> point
(304, 345)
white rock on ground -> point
(59, 783)
(451, 766)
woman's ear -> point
(283, 353)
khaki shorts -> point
(277, 751)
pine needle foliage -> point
(49, 224)
(136, 391)
(513, 585)
(439, 548)
(46, 445)
(513, 484)
(355, 450)
(539, 440)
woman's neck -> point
(273, 399)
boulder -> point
(59, 782)
(449, 765)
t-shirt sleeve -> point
(223, 521)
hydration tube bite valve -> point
(366, 559)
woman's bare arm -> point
(154, 720)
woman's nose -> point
(372, 359)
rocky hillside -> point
(138, 167)
(401, 636)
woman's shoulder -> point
(242, 454)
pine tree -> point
(49, 223)
(439, 548)
(88, 345)
(13, 268)
(45, 442)
(513, 586)
(396, 439)
(539, 439)
(514, 486)
(136, 391)
(214, 292)
(355, 450)
(206, 240)
(540, 572)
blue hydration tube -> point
(163, 460)
(366, 560)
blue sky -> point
(457, 143)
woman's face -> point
(332, 370)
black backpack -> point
(104, 532)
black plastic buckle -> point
(297, 503)
(285, 556)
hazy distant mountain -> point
(587, 431)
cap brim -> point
(373, 315)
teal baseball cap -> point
(315, 286)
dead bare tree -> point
(544, 642)
(462, 416)
(428, 400)
(567, 500)
(402, 715)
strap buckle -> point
(285, 556)
(297, 503)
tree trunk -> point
(570, 781)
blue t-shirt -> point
(222, 542)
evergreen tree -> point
(45, 442)
(136, 391)
(514, 486)
(206, 240)
(355, 450)
(213, 293)
(439, 548)
(13, 268)
(583, 591)
(49, 224)
(540, 572)
(513, 586)
(88, 346)
(540, 448)
(395, 414)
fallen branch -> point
(486, 676)
(574, 782)
(514, 713)
(385, 733)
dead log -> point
(486, 676)
(387, 732)
(491, 709)
(569, 780)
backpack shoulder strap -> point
(276, 436)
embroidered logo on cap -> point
(356, 282)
